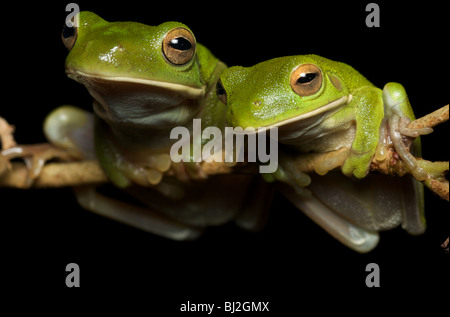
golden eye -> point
(306, 80)
(179, 46)
(221, 92)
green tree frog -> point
(146, 80)
(321, 105)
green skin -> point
(329, 108)
(139, 92)
(146, 80)
(261, 97)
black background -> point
(292, 262)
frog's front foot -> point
(34, 156)
(357, 164)
(402, 138)
(147, 172)
(288, 173)
(186, 171)
(157, 166)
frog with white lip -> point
(145, 80)
(319, 106)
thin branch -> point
(445, 245)
(432, 119)
(6, 134)
(60, 174)
(89, 172)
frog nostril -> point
(257, 103)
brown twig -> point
(89, 172)
(432, 119)
(59, 174)
(445, 245)
(6, 134)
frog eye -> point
(69, 36)
(306, 80)
(221, 92)
(179, 46)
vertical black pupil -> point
(181, 44)
(306, 78)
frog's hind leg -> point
(352, 236)
(353, 211)
(133, 215)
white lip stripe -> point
(190, 92)
(334, 104)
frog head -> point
(282, 91)
(138, 74)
